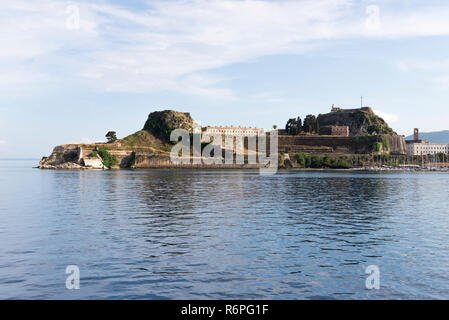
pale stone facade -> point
(236, 133)
(233, 131)
(340, 131)
(422, 147)
(94, 163)
(196, 128)
(335, 109)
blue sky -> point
(73, 70)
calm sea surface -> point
(222, 234)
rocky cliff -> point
(361, 122)
(162, 123)
(73, 156)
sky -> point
(72, 70)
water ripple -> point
(222, 234)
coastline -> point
(251, 168)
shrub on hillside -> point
(109, 160)
(327, 161)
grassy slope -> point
(141, 140)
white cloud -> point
(2, 142)
(436, 71)
(13, 75)
(422, 64)
(388, 117)
(444, 80)
(172, 45)
(273, 97)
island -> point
(340, 139)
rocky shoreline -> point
(82, 157)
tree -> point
(310, 124)
(301, 158)
(316, 162)
(308, 162)
(299, 123)
(275, 127)
(327, 161)
(293, 126)
(111, 136)
(108, 159)
(288, 125)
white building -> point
(422, 147)
(233, 131)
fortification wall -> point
(397, 144)
(323, 144)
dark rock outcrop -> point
(65, 157)
(361, 122)
(162, 123)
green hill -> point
(434, 137)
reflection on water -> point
(222, 234)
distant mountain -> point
(435, 137)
